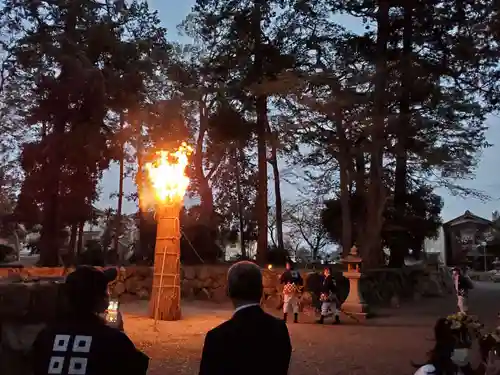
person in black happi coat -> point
(328, 297)
(80, 342)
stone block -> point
(219, 295)
(203, 273)
(119, 289)
(19, 336)
(143, 294)
(272, 302)
(269, 279)
(395, 302)
(14, 299)
(189, 273)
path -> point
(384, 345)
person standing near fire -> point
(328, 298)
(293, 284)
(462, 284)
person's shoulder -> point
(115, 334)
(426, 370)
(231, 324)
(221, 329)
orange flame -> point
(168, 174)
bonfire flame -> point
(168, 174)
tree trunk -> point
(142, 251)
(261, 113)
(206, 194)
(237, 154)
(345, 166)
(50, 239)
(397, 256)
(360, 192)
(277, 192)
(72, 237)
(376, 191)
(72, 241)
(399, 250)
(79, 242)
(50, 235)
(17, 243)
(118, 222)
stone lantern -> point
(354, 304)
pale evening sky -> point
(487, 178)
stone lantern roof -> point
(353, 256)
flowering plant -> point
(465, 328)
(461, 321)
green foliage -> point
(421, 219)
(84, 61)
(277, 257)
(198, 242)
(93, 255)
(5, 252)
(375, 120)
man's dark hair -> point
(244, 282)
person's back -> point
(252, 341)
(80, 342)
(85, 345)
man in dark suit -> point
(252, 342)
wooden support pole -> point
(165, 302)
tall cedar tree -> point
(222, 153)
(430, 118)
(436, 124)
(248, 56)
(85, 59)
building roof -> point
(468, 216)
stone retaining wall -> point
(25, 308)
(208, 282)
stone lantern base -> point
(354, 304)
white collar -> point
(245, 306)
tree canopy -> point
(364, 124)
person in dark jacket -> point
(80, 342)
(462, 285)
(314, 283)
(251, 342)
(292, 289)
(328, 297)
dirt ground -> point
(383, 345)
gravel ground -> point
(383, 345)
